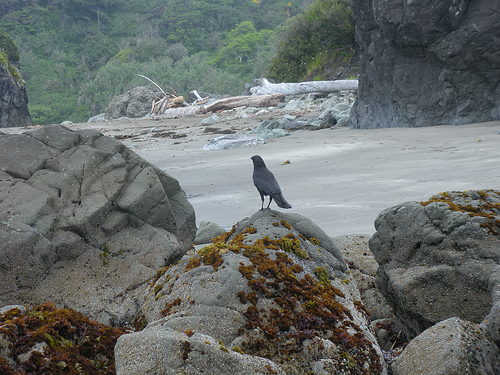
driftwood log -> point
(245, 101)
(225, 104)
(266, 88)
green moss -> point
(314, 241)
(11, 69)
(104, 256)
(157, 288)
(223, 347)
(322, 275)
(292, 244)
(237, 349)
(159, 274)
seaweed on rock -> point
(47, 340)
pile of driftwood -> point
(265, 94)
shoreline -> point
(340, 178)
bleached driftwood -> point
(181, 112)
(266, 88)
(245, 101)
(222, 105)
(169, 100)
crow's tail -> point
(281, 202)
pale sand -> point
(339, 178)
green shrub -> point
(313, 37)
(8, 46)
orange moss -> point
(489, 211)
(286, 225)
(75, 344)
(168, 307)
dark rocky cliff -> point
(427, 62)
(13, 97)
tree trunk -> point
(245, 101)
(266, 88)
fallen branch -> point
(150, 80)
(266, 88)
(171, 100)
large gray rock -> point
(491, 322)
(85, 222)
(165, 351)
(363, 268)
(450, 347)
(134, 103)
(427, 62)
(436, 257)
(273, 287)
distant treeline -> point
(76, 55)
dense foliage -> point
(321, 34)
(76, 55)
(8, 46)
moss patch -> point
(481, 203)
(296, 306)
(74, 343)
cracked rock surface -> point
(83, 219)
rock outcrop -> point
(134, 103)
(273, 295)
(437, 259)
(453, 346)
(427, 63)
(13, 96)
(85, 222)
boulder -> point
(85, 222)
(224, 142)
(491, 322)
(436, 258)
(206, 232)
(450, 347)
(163, 350)
(211, 120)
(363, 268)
(274, 292)
(134, 103)
(427, 63)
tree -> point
(322, 32)
(240, 47)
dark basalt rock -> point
(437, 258)
(13, 98)
(427, 63)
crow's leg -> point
(262, 202)
(270, 199)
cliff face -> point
(13, 97)
(427, 62)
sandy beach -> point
(339, 178)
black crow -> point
(266, 183)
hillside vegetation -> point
(76, 55)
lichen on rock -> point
(266, 291)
